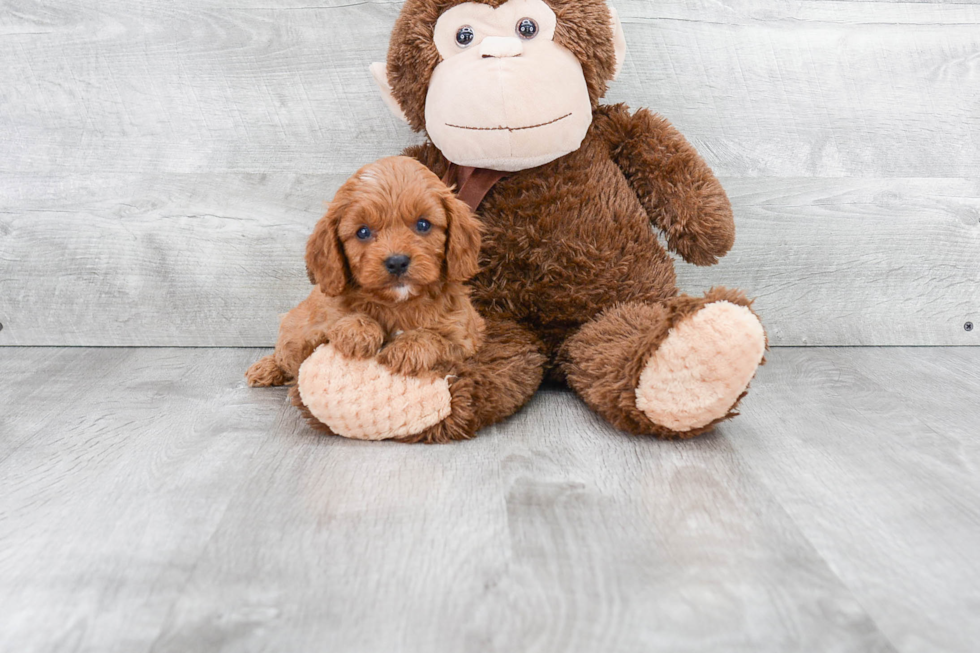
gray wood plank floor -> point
(149, 501)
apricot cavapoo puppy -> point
(388, 260)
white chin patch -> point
(401, 293)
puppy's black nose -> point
(397, 264)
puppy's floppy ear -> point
(326, 264)
(462, 241)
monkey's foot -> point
(698, 374)
(362, 400)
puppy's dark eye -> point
(423, 225)
(363, 233)
(465, 36)
(527, 28)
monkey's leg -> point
(491, 385)
(362, 400)
(674, 369)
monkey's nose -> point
(501, 46)
(397, 264)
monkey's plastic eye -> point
(465, 36)
(423, 226)
(363, 233)
(527, 28)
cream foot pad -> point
(362, 400)
(702, 367)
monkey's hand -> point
(673, 183)
(356, 336)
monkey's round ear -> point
(380, 73)
(619, 41)
(325, 261)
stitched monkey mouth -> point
(510, 129)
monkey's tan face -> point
(506, 95)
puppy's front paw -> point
(409, 355)
(356, 337)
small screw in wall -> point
(968, 326)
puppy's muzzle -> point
(397, 264)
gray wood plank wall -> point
(163, 161)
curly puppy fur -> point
(415, 320)
(505, 367)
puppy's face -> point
(395, 229)
(394, 236)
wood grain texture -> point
(813, 88)
(156, 260)
(874, 454)
(550, 533)
(168, 508)
(164, 160)
(198, 259)
(31, 378)
(108, 497)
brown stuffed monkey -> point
(574, 284)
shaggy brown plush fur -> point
(574, 282)
(491, 385)
(422, 318)
(568, 253)
(603, 360)
(567, 240)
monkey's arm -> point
(674, 184)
